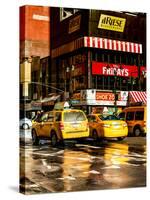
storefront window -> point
(108, 83)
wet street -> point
(82, 166)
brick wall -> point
(34, 31)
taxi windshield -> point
(74, 116)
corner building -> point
(99, 57)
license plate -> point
(75, 125)
(116, 126)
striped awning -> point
(138, 96)
(116, 45)
(97, 42)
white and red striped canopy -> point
(103, 43)
(97, 42)
(138, 96)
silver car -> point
(25, 123)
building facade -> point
(98, 56)
(34, 46)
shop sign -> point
(74, 24)
(49, 103)
(100, 68)
(108, 96)
(111, 23)
(93, 97)
(103, 103)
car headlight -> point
(106, 125)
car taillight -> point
(61, 126)
(87, 126)
(125, 125)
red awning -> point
(137, 96)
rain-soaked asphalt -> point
(82, 166)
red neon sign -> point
(100, 68)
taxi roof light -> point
(62, 105)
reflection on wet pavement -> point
(82, 166)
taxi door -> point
(47, 124)
(130, 121)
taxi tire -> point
(54, 139)
(25, 126)
(35, 139)
(137, 131)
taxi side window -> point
(44, 117)
(139, 115)
(122, 115)
(130, 116)
(58, 117)
(91, 119)
(51, 117)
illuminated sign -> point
(111, 23)
(95, 97)
(74, 24)
(105, 96)
(105, 69)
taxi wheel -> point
(35, 139)
(25, 126)
(137, 131)
(54, 140)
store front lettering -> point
(105, 96)
(111, 69)
(119, 72)
(113, 22)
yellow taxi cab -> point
(107, 127)
(135, 117)
(60, 124)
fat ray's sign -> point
(100, 68)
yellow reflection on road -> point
(117, 153)
(75, 165)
